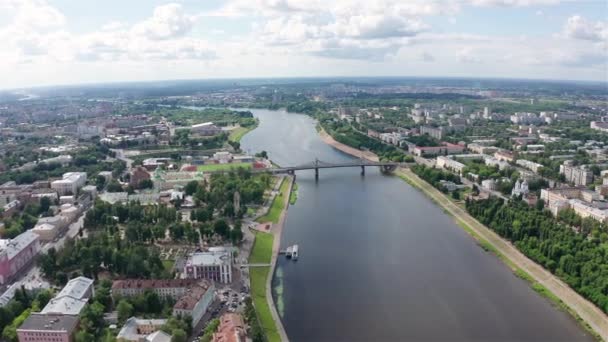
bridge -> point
(385, 167)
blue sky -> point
(69, 41)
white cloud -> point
(578, 27)
(467, 55)
(513, 3)
(167, 21)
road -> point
(589, 313)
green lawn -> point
(223, 167)
(238, 133)
(262, 253)
(293, 196)
(277, 206)
(168, 265)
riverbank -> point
(541, 280)
(265, 251)
(329, 140)
(238, 133)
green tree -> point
(125, 310)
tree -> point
(114, 186)
(125, 310)
(220, 227)
(179, 336)
(100, 181)
(191, 188)
(84, 336)
(45, 204)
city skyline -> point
(62, 42)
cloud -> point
(168, 21)
(513, 3)
(577, 27)
(467, 55)
(427, 57)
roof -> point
(220, 257)
(76, 288)
(130, 330)
(151, 283)
(44, 226)
(158, 336)
(19, 243)
(39, 321)
(64, 305)
(204, 124)
(194, 295)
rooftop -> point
(212, 257)
(76, 288)
(38, 321)
(189, 300)
(16, 245)
(130, 330)
(65, 306)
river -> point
(380, 262)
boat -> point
(289, 252)
(294, 252)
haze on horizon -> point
(49, 42)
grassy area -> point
(488, 247)
(238, 133)
(223, 167)
(293, 196)
(168, 265)
(277, 206)
(262, 253)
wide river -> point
(380, 262)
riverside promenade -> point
(277, 230)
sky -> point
(50, 42)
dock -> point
(291, 252)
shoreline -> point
(277, 231)
(329, 140)
(546, 284)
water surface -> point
(380, 262)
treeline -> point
(91, 161)
(347, 135)
(580, 259)
(434, 176)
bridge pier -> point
(362, 170)
(316, 173)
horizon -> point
(59, 42)
(328, 79)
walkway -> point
(588, 312)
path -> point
(588, 312)
(277, 230)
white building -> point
(215, 264)
(520, 188)
(222, 157)
(71, 182)
(578, 175)
(450, 164)
(529, 165)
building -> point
(601, 126)
(231, 329)
(536, 167)
(215, 264)
(520, 188)
(140, 329)
(72, 299)
(578, 175)
(44, 328)
(205, 129)
(71, 182)
(504, 155)
(527, 119)
(444, 149)
(164, 180)
(63, 160)
(138, 175)
(481, 149)
(16, 254)
(434, 132)
(450, 164)
(222, 157)
(195, 301)
(585, 210)
(165, 288)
